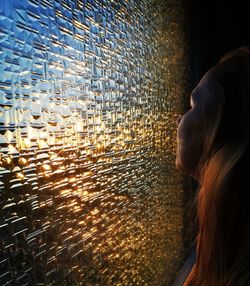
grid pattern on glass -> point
(88, 94)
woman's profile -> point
(213, 146)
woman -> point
(213, 146)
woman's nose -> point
(178, 119)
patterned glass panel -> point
(89, 91)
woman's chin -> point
(182, 167)
(185, 171)
(179, 165)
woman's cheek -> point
(189, 139)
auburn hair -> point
(223, 205)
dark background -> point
(216, 28)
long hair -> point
(223, 205)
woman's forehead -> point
(208, 89)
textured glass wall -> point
(89, 91)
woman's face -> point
(205, 103)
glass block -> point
(89, 93)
